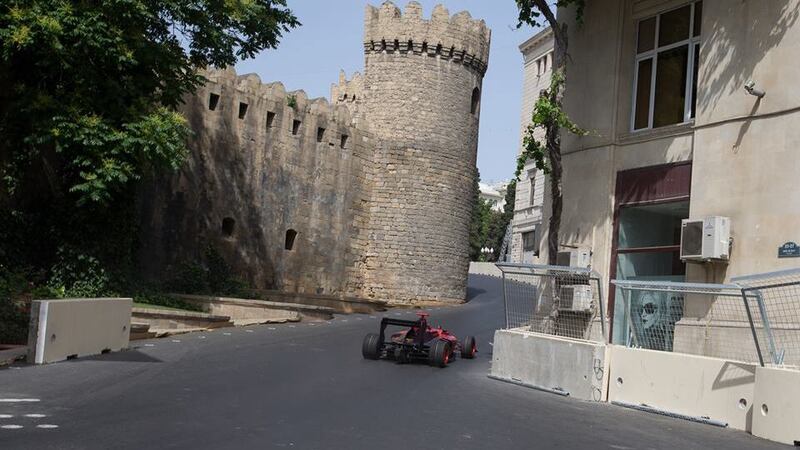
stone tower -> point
(421, 100)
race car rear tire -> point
(440, 353)
(468, 348)
(371, 348)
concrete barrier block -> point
(560, 365)
(776, 405)
(66, 328)
(687, 385)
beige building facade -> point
(537, 54)
(675, 134)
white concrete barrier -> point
(687, 385)
(776, 405)
(561, 365)
(484, 268)
(61, 329)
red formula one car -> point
(420, 342)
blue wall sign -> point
(789, 250)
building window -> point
(242, 110)
(529, 241)
(270, 119)
(476, 100)
(320, 134)
(295, 127)
(213, 101)
(343, 142)
(531, 187)
(290, 236)
(228, 226)
(667, 51)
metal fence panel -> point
(773, 300)
(555, 300)
(695, 318)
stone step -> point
(166, 319)
(340, 304)
(249, 309)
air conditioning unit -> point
(705, 239)
(576, 298)
(578, 257)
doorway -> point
(650, 204)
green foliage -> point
(487, 226)
(291, 101)
(97, 81)
(530, 11)
(546, 114)
(211, 276)
(88, 109)
(479, 223)
(77, 275)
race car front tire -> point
(468, 347)
(371, 348)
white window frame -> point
(693, 43)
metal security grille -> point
(695, 318)
(555, 300)
(773, 301)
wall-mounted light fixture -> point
(750, 87)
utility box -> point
(578, 257)
(706, 239)
(577, 298)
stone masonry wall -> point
(378, 185)
(420, 76)
(267, 180)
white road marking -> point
(359, 318)
(11, 427)
(491, 343)
(226, 334)
(248, 331)
(372, 317)
(47, 425)
(6, 416)
(311, 324)
(35, 416)
(201, 337)
(292, 326)
(18, 400)
(344, 320)
(176, 340)
(149, 345)
(271, 328)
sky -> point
(310, 57)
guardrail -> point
(555, 300)
(754, 319)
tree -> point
(548, 114)
(500, 220)
(88, 97)
(479, 223)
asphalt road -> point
(305, 386)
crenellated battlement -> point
(348, 91)
(458, 38)
(249, 89)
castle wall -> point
(381, 214)
(419, 80)
(267, 180)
